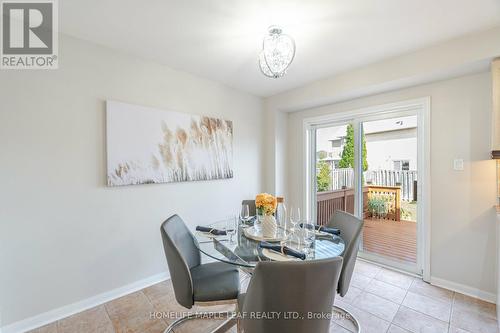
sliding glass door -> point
(334, 174)
(367, 164)
(390, 182)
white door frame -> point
(420, 107)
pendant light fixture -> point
(278, 51)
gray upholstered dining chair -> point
(300, 287)
(350, 230)
(195, 283)
(251, 206)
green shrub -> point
(378, 204)
(324, 177)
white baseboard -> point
(70, 309)
(463, 289)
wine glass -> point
(308, 235)
(231, 227)
(294, 217)
(244, 213)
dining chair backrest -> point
(251, 206)
(350, 230)
(298, 287)
(182, 255)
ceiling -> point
(221, 39)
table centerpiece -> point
(266, 207)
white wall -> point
(455, 58)
(462, 215)
(64, 235)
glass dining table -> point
(246, 252)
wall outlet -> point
(458, 164)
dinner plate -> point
(256, 234)
(273, 255)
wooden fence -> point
(330, 201)
(344, 178)
(404, 179)
(391, 197)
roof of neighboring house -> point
(378, 126)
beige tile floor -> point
(387, 301)
(384, 301)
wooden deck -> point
(393, 239)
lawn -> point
(409, 210)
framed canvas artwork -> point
(147, 145)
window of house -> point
(402, 165)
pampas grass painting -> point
(147, 146)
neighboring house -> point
(390, 144)
(333, 154)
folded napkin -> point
(333, 231)
(212, 231)
(283, 250)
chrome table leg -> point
(226, 325)
(349, 317)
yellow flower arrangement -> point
(266, 203)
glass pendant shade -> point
(278, 51)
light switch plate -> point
(458, 164)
